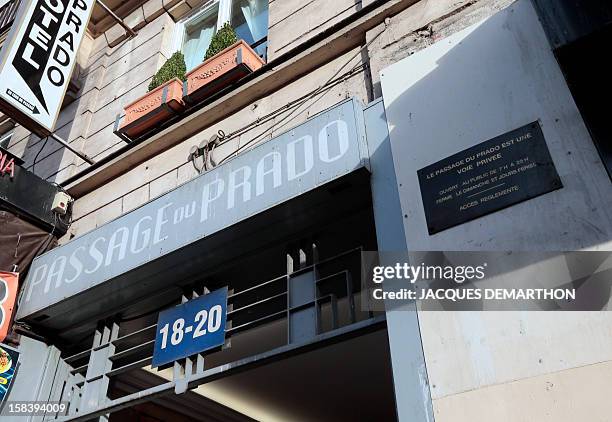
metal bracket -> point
(117, 19)
(81, 155)
(182, 373)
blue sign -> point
(191, 328)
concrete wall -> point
(478, 83)
(419, 26)
(576, 394)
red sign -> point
(8, 294)
(7, 165)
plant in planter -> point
(225, 37)
(227, 59)
(163, 100)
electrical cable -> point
(38, 153)
(311, 96)
(273, 114)
(287, 107)
(270, 116)
(296, 104)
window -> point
(198, 32)
(248, 17)
(250, 20)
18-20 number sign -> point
(191, 328)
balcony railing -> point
(264, 320)
(7, 14)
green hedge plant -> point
(224, 37)
(173, 68)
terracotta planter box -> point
(153, 108)
(221, 70)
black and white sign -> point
(492, 175)
(38, 57)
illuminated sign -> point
(37, 60)
(7, 165)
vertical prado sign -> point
(37, 60)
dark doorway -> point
(587, 67)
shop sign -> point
(316, 152)
(9, 358)
(193, 327)
(8, 292)
(7, 165)
(37, 60)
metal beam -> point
(83, 156)
(116, 18)
(283, 352)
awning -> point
(21, 241)
(153, 246)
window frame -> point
(224, 15)
(180, 27)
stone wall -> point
(291, 22)
(171, 168)
(419, 26)
(493, 367)
(114, 70)
(110, 77)
(473, 85)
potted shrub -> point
(164, 99)
(227, 60)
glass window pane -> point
(250, 20)
(198, 33)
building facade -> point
(271, 185)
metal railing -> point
(331, 311)
(263, 303)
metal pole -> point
(116, 18)
(67, 145)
